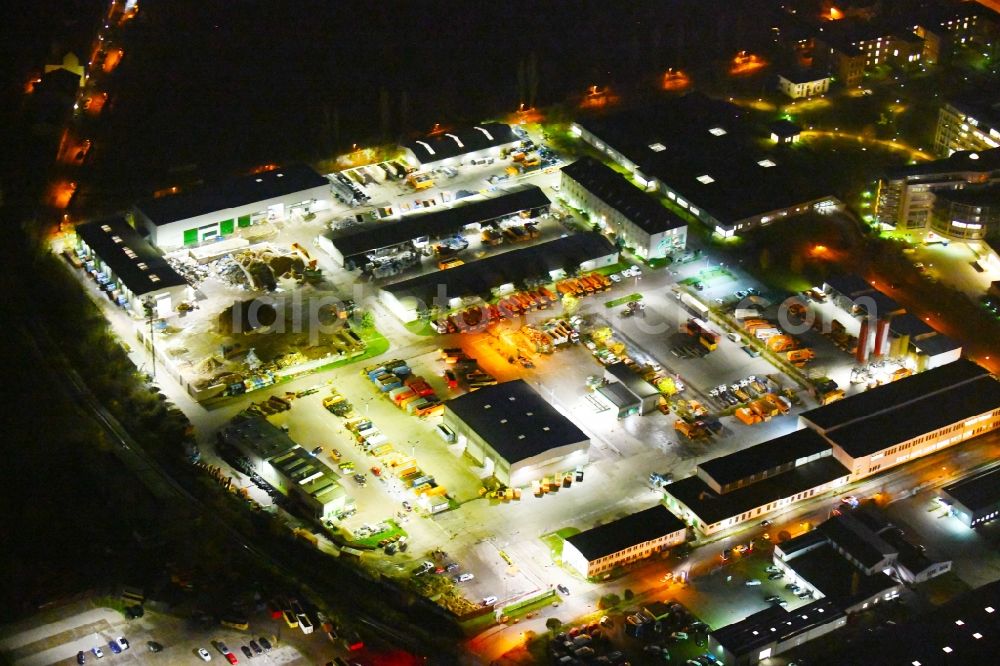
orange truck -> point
(747, 416)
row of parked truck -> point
(477, 317)
(584, 285)
(409, 392)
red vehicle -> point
(449, 376)
(377, 471)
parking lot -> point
(55, 637)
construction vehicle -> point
(782, 343)
(764, 408)
(800, 356)
(780, 402)
(689, 430)
(700, 329)
(747, 416)
(751, 325)
(491, 237)
(900, 373)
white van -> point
(489, 601)
(445, 433)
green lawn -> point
(613, 268)
(615, 302)
(420, 327)
(528, 605)
(373, 540)
(555, 540)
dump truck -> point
(689, 430)
(747, 416)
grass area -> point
(942, 589)
(555, 540)
(615, 302)
(613, 268)
(372, 541)
(420, 327)
(478, 624)
(114, 603)
(529, 605)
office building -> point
(907, 195)
(514, 434)
(217, 211)
(637, 220)
(619, 542)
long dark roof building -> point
(437, 223)
(616, 536)
(515, 420)
(612, 188)
(892, 396)
(233, 193)
(764, 460)
(445, 145)
(481, 276)
(129, 256)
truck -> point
(693, 303)
(782, 343)
(708, 337)
(387, 382)
(745, 313)
(780, 402)
(801, 356)
(747, 416)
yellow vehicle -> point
(445, 264)
(290, 619)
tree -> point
(553, 624)
(367, 319)
(608, 601)
(629, 594)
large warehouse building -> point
(974, 501)
(454, 147)
(637, 219)
(515, 434)
(214, 212)
(889, 425)
(843, 442)
(702, 155)
(356, 249)
(128, 268)
(634, 537)
(466, 284)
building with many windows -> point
(797, 83)
(907, 195)
(637, 219)
(756, 482)
(707, 159)
(909, 418)
(968, 123)
(967, 214)
(634, 537)
(217, 211)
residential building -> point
(358, 249)
(707, 159)
(975, 500)
(854, 47)
(773, 631)
(623, 541)
(469, 284)
(128, 269)
(218, 211)
(452, 147)
(638, 221)
(968, 124)
(797, 83)
(906, 195)
(514, 434)
(754, 483)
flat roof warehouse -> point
(231, 194)
(480, 277)
(437, 223)
(616, 536)
(129, 256)
(704, 150)
(515, 421)
(445, 145)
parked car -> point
(255, 646)
(775, 576)
(752, 582)
(264, 643)
(81, 657)
(203, 653)
(115, 648)
(154, 646)
(98, 652)
(123, 643)
(461, 578)
(246, 651)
